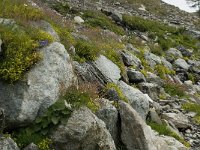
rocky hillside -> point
(98, 75)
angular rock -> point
(8, 144)
(153, 78)
(136, 99)
(153, 90)
(135, 76)
(41, 87)
(172, 54)
(154, 116)
(82, 131)
(108, 69)
(78, 20)
(136, 135)
(166, 63)
(181, 63)
(130, 59)
(152, 59)
(109, 114)
(112, 95)
(130, 47)
(185, 52)
(179, 120)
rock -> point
(109, 114)
(136, 99)
(182, 64)
(166, 63)
(153, 90)
(31, 146)
(131, 48)
(7, 144)
(135, 76)
(47, 28)
(40, 88)
(179, 120)
(116, 16)
(78, 20)
(152, 59)
(153, 78)
(108, 69)
(185, 52)
(112, 95)
(172, 54)
(154, 116)
(130, 59)
(82, 131)
(136, 135)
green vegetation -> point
(98, 19)
(194, 108)
(161, 71)
(19, 51)
(167, 36)
(56, 114)
(174, 89)
(117, 89)
(19, 11)
(62, 8)
(164, 130)
(85, 51)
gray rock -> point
(41, 87)
(166, 63)
(153, 78)
(31, 146)
(136, 99)
(109, 114)
(78, 20)
(7, 144)
(112, 95)
(117, 16)
(136, 135)
(135, 76)
(108, 69)
(82, 131)
(46, 27)
(152, 89)
(185, 52)
(182, 64)
(179, 120)
(172, 54)
(154, 116)
(152, 59)
(130, 59)
(130, 47)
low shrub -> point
(162, 71)
(98, 19)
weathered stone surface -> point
(109, 114)
(78, 19)
(42, 86)
(153, 78)
(83, 131)
(179, 120)
(135, 76)
(31, 146)
(136, 99)
(152, 89)
(154, 116)
(136, 135)
(152, 59)
(7, 144)
(172, 54)
(166, 63)
(130, 60)
(108, 69)
(181, 63)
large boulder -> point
(135, 76)
(8, 144)
(172, 54)
(136, 99)
(182, 64)
(152, 59)
(40, 88)
(83, 131)
(130, 60)
(109, 114)
(136, 135)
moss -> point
(194, 108)
(98, 19)
(164, 130)
(19, 51)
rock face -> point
(136, 98)
(136, 135)
(41, 88)
(83, 131)
(8, 144)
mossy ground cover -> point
(164, 130)
(193, 108)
